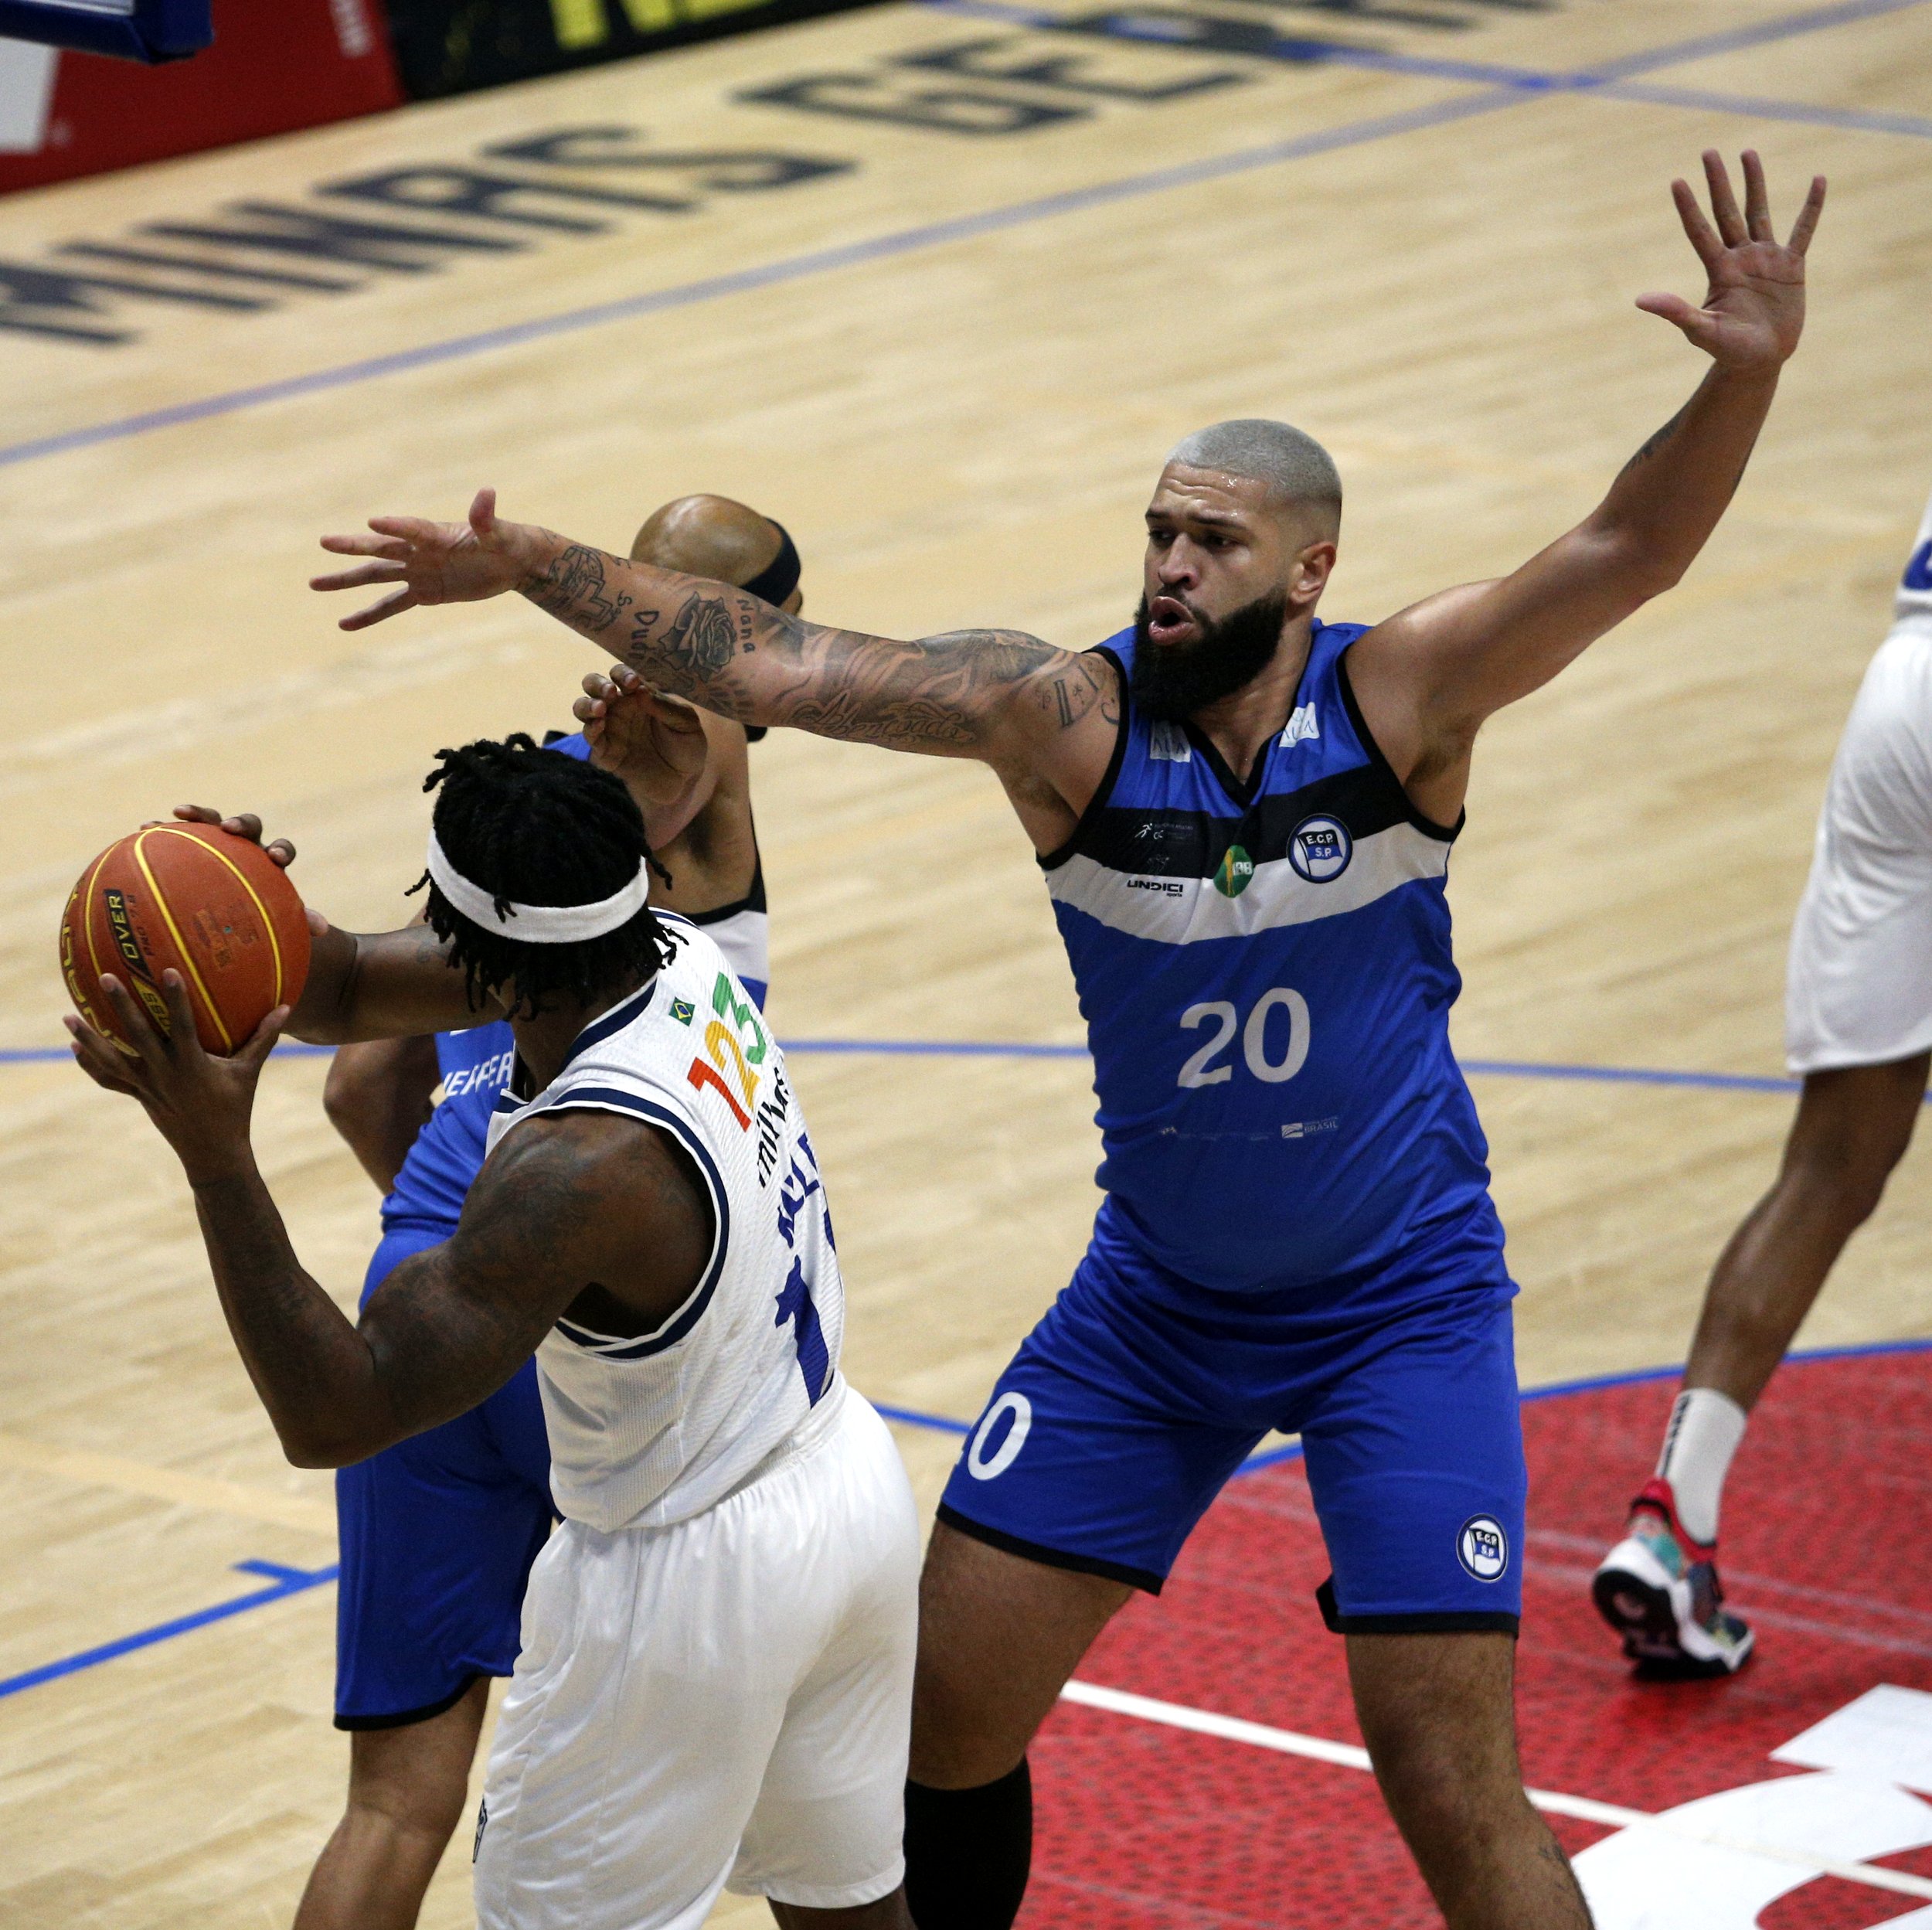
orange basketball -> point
(215, 907)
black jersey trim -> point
(428, 1713)
(1054, 859)
(1449, 1621)
(1151, 841)
(601, 1027)
(614, 1099)
(753, 900)
(1144, 1579)
(1366, 738)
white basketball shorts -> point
(725, 1700)
(1858, 987)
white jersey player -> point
(715, 1682)
(1858, 1031)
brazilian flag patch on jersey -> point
(1232, 877)
(683, 1011)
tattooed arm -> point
(569, 1200)
(1428, 677)
(1044, 719)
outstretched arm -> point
(580, 1198)
(1043, 717)
(1427, 678)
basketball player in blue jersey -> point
(1245, 815)
(438, 1532)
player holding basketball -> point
(438, 1532)
(1858, 1031)
(1245, 816)
(716, 1670)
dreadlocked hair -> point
(536, 827)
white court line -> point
(1287, 1742)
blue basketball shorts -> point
(437, 1536)
(1139, 1394)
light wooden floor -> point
(959, 431)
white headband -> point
(539, 923)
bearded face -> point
(1172, 681)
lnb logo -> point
(1483, 1548)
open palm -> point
(427, 562)
(1754, 309)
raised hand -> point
(1754, 309)
(654, 741)
(429, 562)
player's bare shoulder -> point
(1052, 736)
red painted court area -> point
(1144, 1827)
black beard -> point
(1171, 682)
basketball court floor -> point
(936, 285)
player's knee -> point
(391, 1787)
(1852, 1128)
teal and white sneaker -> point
(1658, 1589)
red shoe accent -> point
(1658, 1497)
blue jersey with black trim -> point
(1266, 974)
(475, 1064)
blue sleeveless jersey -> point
(1266, 975)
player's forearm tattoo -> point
(934, 695)
(575, 586)
(1657, 440)
(699, 640)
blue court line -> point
(286, 1581)
(1004, 1048)
(911, 240)
(1605, 82)
(283, 1582)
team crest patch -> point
(1234, 873)
(1320, 848)
(1482, 1548)
(683, 1011)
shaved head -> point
(708, 537)
(1295, 468)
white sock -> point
(1705, 1428)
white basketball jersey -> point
(647, 1431)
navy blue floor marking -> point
(287, 1582)
(1606, 82)
(283, 1582)
(934, 234)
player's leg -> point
(437, 1534)
(408, 1790)
(998, 1636)
(824, 1844)
(1413, 1441)
(726, 1697)
(1659, 1587)
(1436, 1712)
(889, 1913)
(1852, 1129)
(1078, 1485)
